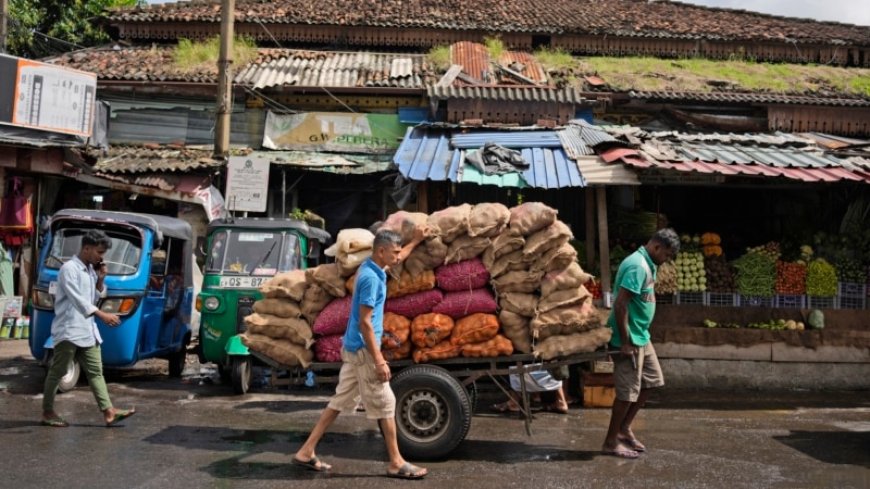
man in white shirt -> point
(74, 331)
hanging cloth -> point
(7, 285)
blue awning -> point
(435, 154)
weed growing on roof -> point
(439, 57)
(555, 59)
(495, 47)
(193, 55)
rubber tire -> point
(225, 373)
(69, 381)
(419, 390)
(242, 370)
(178, 360)
(473, 395)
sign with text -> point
(334, 131)
(47, 97)
(247, 183)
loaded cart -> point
(435, 401)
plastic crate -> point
(821, 302)
(722, 299)
(790, 301)
(851, 289)
(692, 298)
(756, 301)
(666, 298)
(852, 302)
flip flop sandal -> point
(120, 415)
(408, 471)
(54, 423)
(313, 464)
(628, 454)
(633, 443)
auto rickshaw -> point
(149, 285)
(242, 254)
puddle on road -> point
(249, 437)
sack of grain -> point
(550, 237)
(397, 330)
(465, 275)
(429, 255)
(316, 298)
(410, 284)
(475, 328)
(292, 329)
(350, 241)
(512, 262)
(328, 348)
(284, 352)
(570, 278)
(441, 351)
(405, 223)
(557, 259)
(530, 217)
(516, 328)
(400, 353)
(289, 285)
(450, 223)
(461, 304)
(519, 303)
(333, 318)
(488, 220)
(329, 277)
(285, 308)
(349, 263)
(565, 319)
(465, 248)
(414, 305)
(507, 242)
(495, 347)
(518, 281)
(565, 345)
(427, 330)
(563, 298)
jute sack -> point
(351, 241)
(511, 262)
(557, 259)
(295, 330)
(465, 248)
(519, 303)
(563, 298)
(565, 319)
(405, 223)
(329, 277)
(531, 217)
(316, 298)
(488, 220)
(282, 351)
(450, 223)
(570, 278)
(516, 328)
(565, 345)
(285, 308)
(429, 255)
(350, 262)
(518, 281)
(507, 242)
(550, 237)
(291, 285)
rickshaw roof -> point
(164, 225)
(270, 223)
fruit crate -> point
(821, 302)
(791, 301)
(756, 301)
(666, 298)
(851, 295)
(722, 299)
(692, 298)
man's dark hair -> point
(385, 237)
(96, 238)
(668, 238)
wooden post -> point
(225, 81)
(590, 228)
(423, 197)
(4, 15)
(603, 239)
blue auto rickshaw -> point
(149, 285)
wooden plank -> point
(450, 76)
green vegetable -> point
(756, 274)
(816, 319)
(821, 279)
(691, 276)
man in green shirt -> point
(636, 369)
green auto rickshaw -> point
(242, 254)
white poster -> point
(212, 201)
(247, 183)
(54, 98)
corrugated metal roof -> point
(597, 172)
(427, 154)
(748, 97)
(476, 62)
(508, 139)
(526, 93)
(343, 163)
(141, 159)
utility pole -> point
(4, 16)
(225, 81)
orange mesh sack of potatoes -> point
(410, 284)
(397, 329)
(496, 347)
(427, 330)
(441, 351)
(400, 353)
(474, 329)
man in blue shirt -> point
(364, 372)
(74, 331)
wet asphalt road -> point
(194, 433)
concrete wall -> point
(747, 374)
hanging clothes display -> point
(7, 284)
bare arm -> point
(620, 312)
(367, 331)
(420, 234)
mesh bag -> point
(333, 318)
(465, 275)
(461, 304)
(414, 305)
(328, 348)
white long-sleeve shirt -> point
(75, 304)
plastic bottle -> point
(309, 379)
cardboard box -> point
(597, 379)
(598, 396)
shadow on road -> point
(284, 406)
(749, 400)
(833, 447)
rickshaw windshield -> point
(121, 259)
(256, 253)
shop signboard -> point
(334, 131)
(247, 183)
(46, 97)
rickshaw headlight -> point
(198, 304)
(211, 303)
(118, 305)
(43, 299)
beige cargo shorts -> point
(358, 379)
(645, 373)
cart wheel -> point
(178, 359)
(433, 412)
(70, 378)
(471, 390)
(241, 374)
(225, 373)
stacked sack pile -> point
(487, 282)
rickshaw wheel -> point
(178, 360)
(241, 374)
(70, 378)
(225, 373)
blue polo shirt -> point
(370, 290)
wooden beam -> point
(603, 241)
(590, 228)
(423, 197)
(450, 76)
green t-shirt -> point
(636, 274)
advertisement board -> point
(334, 131)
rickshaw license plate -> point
(242, 282)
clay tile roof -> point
(614, 17)
(273, 67)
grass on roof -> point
(494, 47)
(556, 59)
(195, 55)
(694, 74)
(439, 57)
